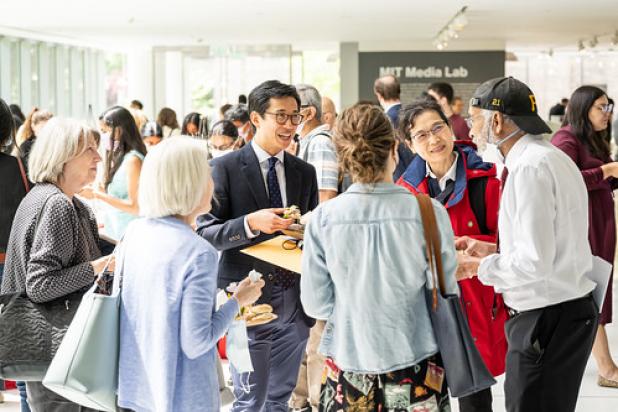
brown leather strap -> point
(22, 170)
(432, 245)
(2, 257)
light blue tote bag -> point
(85, 367)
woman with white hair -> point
(53, 249)
(169, 326)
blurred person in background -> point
(32, 126)
(152, 134)
(239, 115)
(329, 112)
(194, 125)
(168, 122)
(224, 108)
(123, 163)
(457, 106)
(223, 139)
(583, 139)
(443, 93)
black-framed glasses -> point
(423, 135)
(282, 118)
(606, 108)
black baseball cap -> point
(513, 98)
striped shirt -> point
(317, 149)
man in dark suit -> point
(252, 185)
(388, 90)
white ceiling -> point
(386, 24)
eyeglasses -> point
(221, 147)
(282, 118)
(606, 108)
(470, 120)
(424, 135)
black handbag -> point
(465, 370)
(32, 332)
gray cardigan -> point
(54, 261)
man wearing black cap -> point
(543, 254)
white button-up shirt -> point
(543, 224)
(450, 175)
(263, 156)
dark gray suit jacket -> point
(240, 190)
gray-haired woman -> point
(53, 246)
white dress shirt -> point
(450, 175)
(543, 226)
(263, 157)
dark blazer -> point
(240, 190)
(393, 114)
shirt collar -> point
(263, 155)
(390, 106)
(518, 148)
(451, 174)
(320, 129)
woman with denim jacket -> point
(364, 271)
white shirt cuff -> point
(250, 233)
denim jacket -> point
(364, 271)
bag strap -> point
(432, 246)
(22, 171)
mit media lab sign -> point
(416, 70)
(425, 72)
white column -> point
(348, 71)
(140, 76)
(5, 69)
(174, 84)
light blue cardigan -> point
(168, 324)
(364, 270)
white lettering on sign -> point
(414, 72)
(395, 71)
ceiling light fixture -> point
(451, 29)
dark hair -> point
(238, 112)
(608, 131)
(580, 103)
(259, 98)
(242, 99)
(443, 90)
(363, 140)
(7, 126)
(224, 128)
(224, 108)
(199, 121)
(138, 104)
(408, 115)
(167, 117)
(564, 100)
(151, 129)
(16, 110)
(388, 87)
(121, 122)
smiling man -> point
(252, 186)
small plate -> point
(251, 323)
(295, 230)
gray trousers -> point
(42, 399)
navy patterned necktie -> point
(274, 191)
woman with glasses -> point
(364, 271)
(223, 139)
(452, 173)
(582, 138)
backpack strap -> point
(476, 194)
(22, 171)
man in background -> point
(443, 93)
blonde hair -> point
(364, 139)
(60, 140)
(174, 177)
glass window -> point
(15, 72)
(34, 74)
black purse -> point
(32, 332)
(465, 370)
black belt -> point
(514, 312)
(283, 278)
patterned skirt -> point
(418, 388)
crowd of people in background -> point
(521, 211)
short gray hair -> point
(309, 96)
(59, 141)
(174, 177)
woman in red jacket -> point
(453, 173)
(583, 139)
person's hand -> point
(247, 292)
(610, 170)
(473, 247)
(467, 266)
(268, 221)
(87, 193)
(99, 264)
